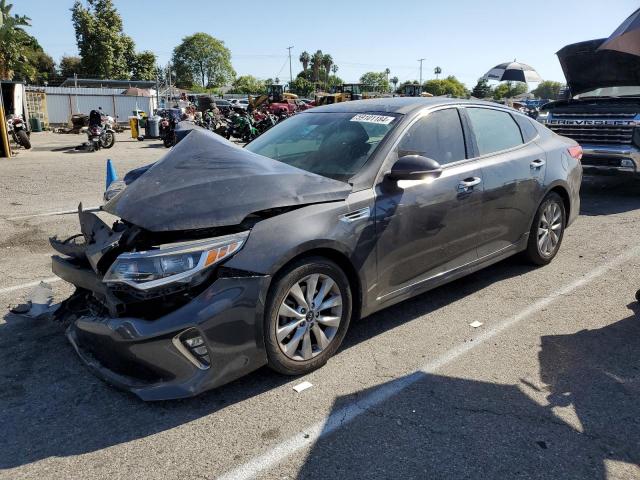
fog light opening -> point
(191, 344)
(627, 163)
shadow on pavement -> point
(605, 195)
(50, 405)
(443, 427)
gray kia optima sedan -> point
(223, 259)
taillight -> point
(575, 152)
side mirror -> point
(415, 167)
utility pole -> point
(290, 71)
(421, 60)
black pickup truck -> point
(602, 108)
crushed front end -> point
(158, 314)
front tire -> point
(547, 230)
(307, 316)
(108, 140)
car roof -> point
(402, 105)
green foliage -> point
(378, 80)
(482, 89)
(301, 86)
(400, 88)
(316, 65)
(305, 58)
(548, 89)
(13, 40)
(509, 90)
(202, 60)
(105, 51)
(69, 65)
(248, 84)
(144, 66)
(446, 86)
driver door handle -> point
(468, 184)
(537, 163)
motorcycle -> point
(100, 135)
(264, 121)
(170, 119)
(18, 131)
(242, 127)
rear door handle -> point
(468, 184)
(537, 163)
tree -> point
(144, 66)
(69, 65)
(334, 68)
(446, 86)
(387, 72)
(301, 86)
(316, 64)
(509, 89)
(437, 71)
(378, 80)
(202, 59)
(548, 89)
(395, 81)
(105, 51)
(12, 40)
(482, 89)
(400, 89)
(305, 58)
(327, 61)
(248, 84)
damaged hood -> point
(587, 68)
(206, 181)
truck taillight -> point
(575, 152)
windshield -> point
(334, 145)
(630, 91)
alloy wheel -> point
(309, 317)
(549, 229)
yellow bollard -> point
(133, 123)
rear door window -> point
(438, 136)
(527, 128)
(494, 130)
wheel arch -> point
(339, 258)
(566, 199)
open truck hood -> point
(587, 68)
(206, 181)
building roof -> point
(106, 83)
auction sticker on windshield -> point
(369, 118)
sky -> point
(464, 38)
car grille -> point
(595, 134)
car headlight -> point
(172, 263)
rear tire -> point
(547, 230)
(23, 139)
(314, 334)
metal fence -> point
(62, 103)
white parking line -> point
(346, 414)
(30, 284)
(61, 212)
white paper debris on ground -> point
(476, 324)
(302, 386)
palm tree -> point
(304, 60)
(387, 72)
(437, 71)
(11, 39)
(327, 61)
(316, 63)
(395, 80)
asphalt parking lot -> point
(547, 387)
